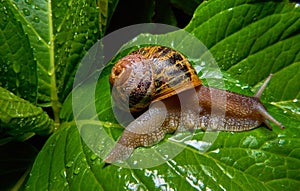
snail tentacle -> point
(262, 110)
(263, 86)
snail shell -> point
(150, 74)
(160, 73)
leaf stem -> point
(54, 97)
(21, 181)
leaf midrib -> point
(54, 97)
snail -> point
(163, 77)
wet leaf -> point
(249, 40)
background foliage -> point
(42, 43)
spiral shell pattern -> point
(150, 74)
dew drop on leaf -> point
(147, 173)
(76, 171)
(26, 12)
(63, 173)
(69, 164)
(245, 87)
(36, 19)
(93, 157)
(281, 142)
(28, 2)
(5, 11)
(240, 71)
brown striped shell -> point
(150, 74)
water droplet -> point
(216, 151)
(165, 157)
(245, 87)
(28, 2)
(36, 19)
(69, 164)
(201, 146)
(281, 142)
(26, 12)
(63, 173)
(76, 171)
(147, 173)
(93, 157)
(4, 9)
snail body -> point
(164, 78)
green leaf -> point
(237, 33)
(106, 10)
(76, 29)
(17, 66)
(59, 35)
(271, 45)
(20, 119)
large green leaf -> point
(55, 36)
(20, 119)
(247, 44)
(41, 45)
(17, 65)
